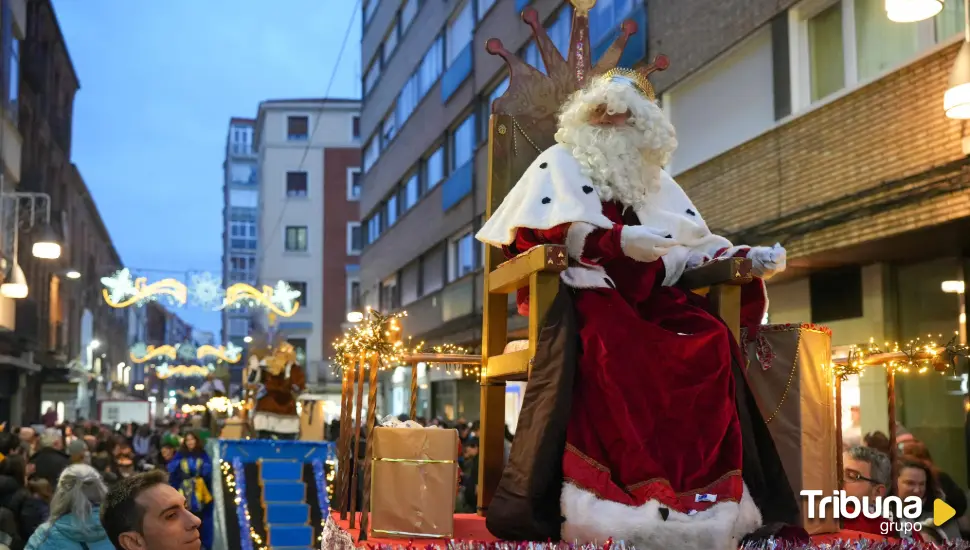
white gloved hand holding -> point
(767, 261)
(645, 244)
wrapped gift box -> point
(789, 370)
(414, 482)
(313, 421)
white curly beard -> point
(624, 162)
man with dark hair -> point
(144, 512)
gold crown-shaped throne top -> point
(534, 99)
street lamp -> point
(73, 274)
(355, 317)
(47, 245)
(911, 11)
(248, 339)
(959, 288)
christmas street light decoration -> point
(165, 370)
(140, 353)
(230, 353)
(122, 291)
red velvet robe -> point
(654, 413)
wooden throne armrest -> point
(723, 271)
(721, 281)
(515, 273)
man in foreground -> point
(143, 512)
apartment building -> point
(428, 88)
(240, 216)
(816, 123)
(309, 234)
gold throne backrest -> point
(524, 119)
(523, 123)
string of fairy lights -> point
(379, 335)
(918, 356)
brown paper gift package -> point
(789, 371)
(313, 421)
(414, 482)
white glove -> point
(767, 260)
(643, 243)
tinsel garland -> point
(242, 505)
(322, 496)
(859, 544)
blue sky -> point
(159, 82)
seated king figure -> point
(665, 446)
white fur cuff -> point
(721, 527)
(576, 238)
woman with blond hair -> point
(74, 519)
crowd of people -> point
(868, 473)
(94, 487)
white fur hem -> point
(576, 238)
(721, 527)
(586, 277)
(277, 423)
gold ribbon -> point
(407, 534)
(414, 461)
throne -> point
(522, 124)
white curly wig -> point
(625, 162)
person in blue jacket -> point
(190, 472)
(74, 522)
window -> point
(495, 94)
(353, 184)
(296, 184)
(390, 43)
(392, 209)
(355, 127)
(388, 129)
(13, 91)
(242, 174)
(408, 11)
(244, 198)
(371, 76)
(410, 278)
(374, 227)
(242, 235)
(412, 192)
(435, 168)
(296, 238)
(355, 240)
(845, 42)
(836, 294)
(370, 8)
(407, 100)
(462, 256)
(389, 298)
(431, 67)
(880, 43)
(371, 151)
(300, 287)
(433, 269)
(459, 34)
(606, 16)
(239, 327)
(353, 295)
(463, 142)
(483, 7)
(297, 128)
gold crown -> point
(633, 78)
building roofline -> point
(60, 34)
(85, 193)
(241, 120)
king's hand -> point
(644, 244)
(767, 261)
